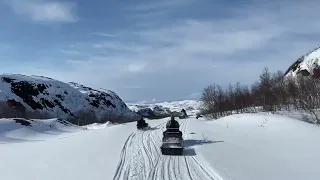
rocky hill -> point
(306, 65)
(43, 97)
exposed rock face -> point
(58, 99)
(306, 65)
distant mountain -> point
(24, 95)
(165, 109)
(306, 65)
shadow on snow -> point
(193, 142)
(189, 152)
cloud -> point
(136, 67)
(177, 60)
(104, 34)
(160, 5)
(47, 11)
(71, 52)
(155, 13)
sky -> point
(155, 50)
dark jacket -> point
(172, 123)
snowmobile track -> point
(141, 159)
(122, 161)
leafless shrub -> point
(9, 111)
(271, 92)
(37, 115)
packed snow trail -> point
(141, 159)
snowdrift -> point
(56, 99)
(60, 151)
(21, 130)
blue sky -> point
(155, 50)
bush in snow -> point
(272, 93)
(13, 109)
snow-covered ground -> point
(242, 147)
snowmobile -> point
(141, 124)
(198, 116)
(172, 141)
(183, 114)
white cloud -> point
(39, 10)
(104, 34)
(157, 5)
(124, 47)
(177, 59)
(71, 52)
(136, 67)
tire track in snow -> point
(139, 155)
(135, 159)
(141, 159)
(146, 151)
(197, 169)
(169, 167)
(211, 174)
(121, 164)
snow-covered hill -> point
(164, 109)
(306, 65)
(23, 94)
(30, 130)
(242, 146)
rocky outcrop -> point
(306, 65)
(56, 99)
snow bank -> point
(21, 130)
(98, 125)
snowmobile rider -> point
(172, 123)
(141, 119)
(184, 113)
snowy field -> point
(238, 147)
